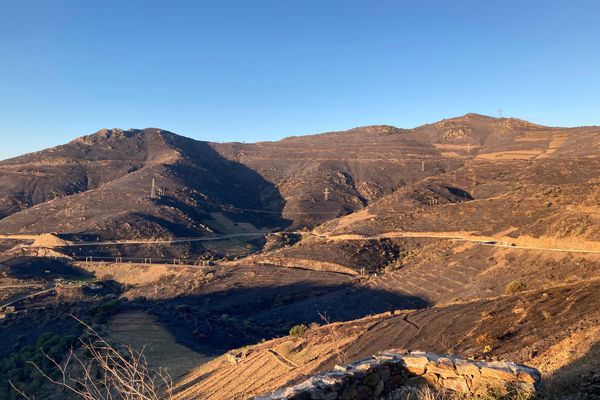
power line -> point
(166, 241)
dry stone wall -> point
(374, 377)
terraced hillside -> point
(474, 235)
(529, 327)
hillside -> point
(474, 235)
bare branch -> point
(108, 373)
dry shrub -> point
(514, 287)
(340, 354)
(425, 392)
(484, 339)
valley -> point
(473, 236)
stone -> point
(316, 394)
(348, 393)
(412, 360)
(459, 385)
(525, 374)
(332, 379)
(386, 357)
(504, 374)
(364, 365)
(372, 379)
(466, 368)
(432, 356)
(397, 379)
(364, 393)
(379, 389)
(416, 370)
(342, 368)
(431, 379)
(385, 373)
(528, 377)
(443, 368)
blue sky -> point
(261, 70)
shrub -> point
(514, 287)
(298, 330)
(484, 339)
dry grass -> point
(140, 330)
(425, 392)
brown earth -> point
(480, 232)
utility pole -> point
(153, 190)
(326, 194)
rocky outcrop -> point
(374, 377)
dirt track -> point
(24, 296)
(484, 240)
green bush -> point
(298, 330)
(514, 287)
(107, 309)
(17, 368)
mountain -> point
(474, 235)
(99, 186)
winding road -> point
(483, 240)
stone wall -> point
(374, 377)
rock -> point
(415, 361)
(364, 393)
(389, 371)
(456, 384)
(379, 388)
(468, 368)
(497, 372)
(372, 379)
(416, 370)
(348, 393)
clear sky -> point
(251, 70)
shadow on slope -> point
(197, 191)
(577, 380)
(41, 268)
(223, 320)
